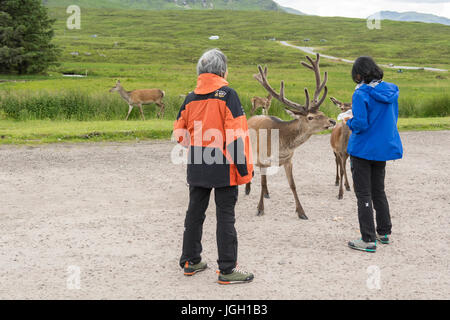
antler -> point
(319, 85)
(300, 109)
(262, 79)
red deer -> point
(339, 141)
(308, 120)
(264, 103)
(141, 97)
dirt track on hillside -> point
(311, 50)
(116, 212)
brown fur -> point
(147, 96)
(292, 134)
(308, 120)
(264, 103)
(141, 97)
(339, 141)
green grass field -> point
(148, 49)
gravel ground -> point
(111, 216)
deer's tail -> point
(163, 93)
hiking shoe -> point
(383, 239)
(190, 269)
(359, 244)
(236, 276)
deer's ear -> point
(335, 101)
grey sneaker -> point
(190, 269)
(359, 244)
(383, 239)
(236, 276)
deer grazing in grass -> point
(264, 103)
(308, 120)
(339, 141)
(140, 97)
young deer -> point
(339, 141)
(264, 103)
(308, 120)
(140, 97)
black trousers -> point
(226, 235)
(368, 183)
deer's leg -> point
(161, 110)
(130, 108)
(266, 190)
(299, 209)
(337, 169)
(142, 111)
(263, 193)
(248, 188)
(341, 182)
(253, 109)
(347, 185)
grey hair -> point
(212, 61)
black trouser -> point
(368, 182)
(226, 235)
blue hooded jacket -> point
(374, 124)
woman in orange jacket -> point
(213, 125)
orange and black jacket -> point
(212, 123)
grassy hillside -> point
(168, 4)
(148, 49)
(152, 37)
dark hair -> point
(367, 69)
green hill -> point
(168, 4)
(148, 48)
(175, 36)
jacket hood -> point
(209, 82)
(385, 92)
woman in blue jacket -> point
(374, 140)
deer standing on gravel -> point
(264, 103)
(339, 141)
(140, 97)
(308, 120)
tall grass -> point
(435, 106)
(74, 105)
(83, 106)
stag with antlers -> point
(308, 120)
